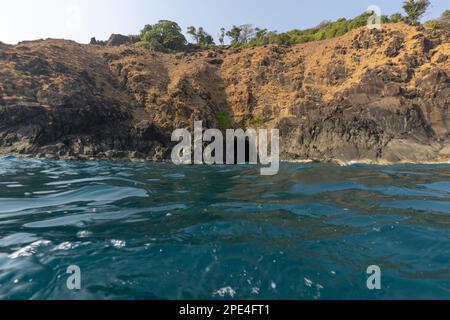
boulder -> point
(336, 72)
(215, 61)
(442, 58)
(394, 48)
(119, 39)
(426, 45)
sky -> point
(80, 20)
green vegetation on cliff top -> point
(167, 35)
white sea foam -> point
(29, 250)
(67, 246)
(84, 234)
(223, 292)
(308, 282)
(118, 243)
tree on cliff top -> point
(234, 34)
(203, 39)
(416, 9)
(443, 22)
(241, 35)
(222, 36)
(396, 17)
(446, 15)
(164, 35)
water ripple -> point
(225, 232)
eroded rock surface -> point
(371, 95)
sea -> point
(144, 231)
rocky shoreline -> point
(379, 96)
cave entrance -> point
(239, 159)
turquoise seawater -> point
(158, 231)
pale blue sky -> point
(82, 19)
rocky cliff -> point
(371, 95)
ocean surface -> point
(158, 231)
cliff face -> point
(370, 95)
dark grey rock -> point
(394, 48)
(118, 40)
